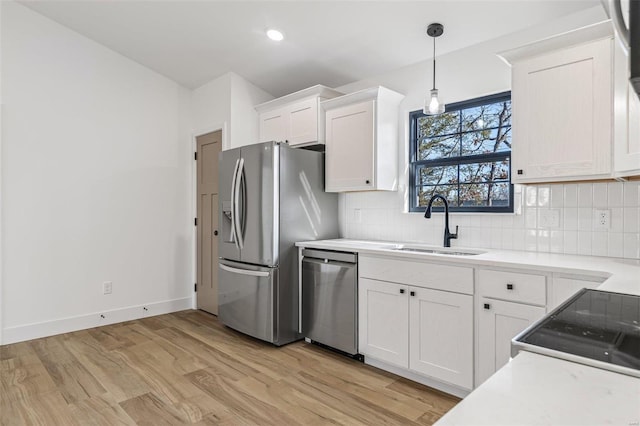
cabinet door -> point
(303, 122)
(498, 323)
(273, 125)
(350, 151)
(562, 109)
(627, 118)
(441, 335)
(383, 321)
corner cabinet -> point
(508, 303)
(361, 139)
(295, 119)
(414, 322)
(562, 102)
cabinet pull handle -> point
(367, 182)
(402, 291)
(520, 171)
(413, 293)
(487, 306)
(215, 232)
(509, 286)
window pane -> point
(484, 172)
(442, 146)
(438, 125)
(486, 116)
(485, 195)
(484, 141)
(437, 175)
(439, 147)
(450, 192)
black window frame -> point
(494, 156)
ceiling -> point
(327, 42)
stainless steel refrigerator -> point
(271, 196)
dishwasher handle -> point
(327, 255)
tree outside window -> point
(464, 155)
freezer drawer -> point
(247, 299)
(329, 303)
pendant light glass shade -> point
(432, 105)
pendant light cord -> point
(434, 63)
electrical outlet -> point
(107, 287)
(602, 219)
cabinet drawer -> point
(525, 288)
(457, 279)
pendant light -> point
(432, 105)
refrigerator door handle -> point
(233, 235)
(244, 271)
(237, 222)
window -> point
(464, 155)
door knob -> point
(215, 232)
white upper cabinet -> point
(626, 119)
(296, 118)
(563, 106)
(362, 141)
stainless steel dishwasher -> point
(330, 299)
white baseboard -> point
(436, 384)
(82, 322)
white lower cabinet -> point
(383, 321)
(500, 321)
(441, 335)
(428, 331)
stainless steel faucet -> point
(448, 236)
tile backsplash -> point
(557, 218)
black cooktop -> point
(594, 324)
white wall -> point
(228, 103)
(95, 182)
(473, 72)
(244, 118)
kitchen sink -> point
(437, 251)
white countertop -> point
(535, 389)
(620, 275)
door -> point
(228, 166)
(258, 203)
(562, 113)
(273, 125)
(303, 122)
(441, 335)
(248, 299)
(383, 321)
(208, 147)
(350, 147)
(499, 322)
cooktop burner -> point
(596, 325)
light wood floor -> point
(186, 368)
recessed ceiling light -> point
(275, 35)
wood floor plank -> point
(150, 410)
(187, 368)
(47, 408)
(100, 410)
(241, 403)
(107, 367)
